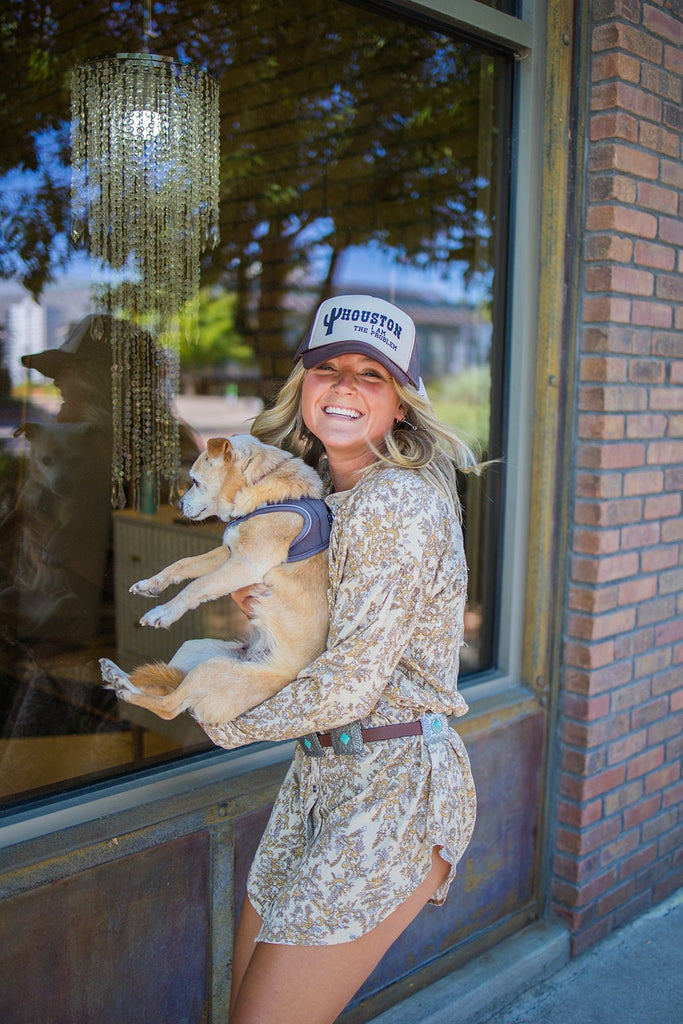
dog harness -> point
(314, 535)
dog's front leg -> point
(232, 575)
(189, 568)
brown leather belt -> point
(351, 739)
(379, 732)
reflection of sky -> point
(371, 265)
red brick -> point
(640, 589)
(656, 314)
(662, 506)
(590, 600)
(673, 796)
(672, 173)
(594, 542)
(666, 399)
(653, 136)
(649, 712)
(658, 559)
(654, 197)
(610, 247)
(651, 612)
(627, 747)
(572, 814)
(666, 776)
(620, 847)
(672, 530)
(669, 287)
(626, 10)
(605, 309)
(588, 655)
(614, 156)
(605, 570)
(613, 456)
(677, 373)
(647, 481)
(611, 513)
(630, 696)
(614, 398)
(638, 860)
(618, 339)
(600, 627)
(671, 230)
(614, 899)
(667, 343)
(606, 428)
(673, 59)
(603, 679)
(663, 25)
(620, 218)
(645, 763)
(649, 254)
(663, 823)
(626, 97)
(667, 682)
(615, 65)
(646, 426)
(672, 582)
(647, 371)
(661, 82)
(587, 709)
(599, 485)
(623, 37)
(603, 368)
(614, 125)
(659, 452)
(620, 279)
(590, 936)
(626, 795)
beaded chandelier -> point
(145, 185)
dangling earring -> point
(404, 425)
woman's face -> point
(348, 401)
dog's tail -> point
(157, 678)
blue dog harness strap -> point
(314, 535)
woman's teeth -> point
(335, 410)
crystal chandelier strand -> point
(145, 186)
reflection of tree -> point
(338, 127)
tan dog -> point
(231, 479)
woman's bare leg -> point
(289, 984)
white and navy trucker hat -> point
(364, 324)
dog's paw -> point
(147, 588)
(158, 618)
(114, 678)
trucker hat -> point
(367, 325)
(82, 345)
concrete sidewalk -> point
(635, 976)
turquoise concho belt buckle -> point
(347, 739)
(311, 745)
(434, 729)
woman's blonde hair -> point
(420, 442)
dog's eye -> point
(47, 460)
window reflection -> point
(359, 153)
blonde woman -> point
(378, 805)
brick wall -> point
(619, 829)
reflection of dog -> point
(232, 480)
(57, 534)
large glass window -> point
(359, 152)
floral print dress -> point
(351, 836)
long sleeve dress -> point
(351, 836)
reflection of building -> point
(26, 332)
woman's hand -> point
(246, 597)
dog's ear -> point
(30, 430)
(217, 446)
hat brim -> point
(49, 363)
(312, 357)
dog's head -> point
(61, 455)
(224, 470)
